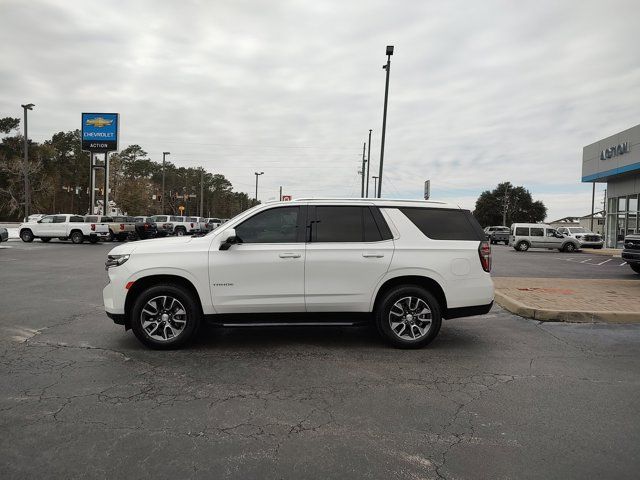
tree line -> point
(58, 172)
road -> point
(542, 263)
(495, 396)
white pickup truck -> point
(63, 227)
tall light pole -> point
(504, 206)
(164, 156)
(368, 164)
(386, 67)
(201, 192)
(364, 146)
(257, 175)
(25, 165)
(375, 179)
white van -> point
(524, 236)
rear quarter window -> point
(445, 224)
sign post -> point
(427, 189)
(100, 132)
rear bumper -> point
(118, 319)
(467, 311)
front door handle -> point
(289, 255)
(372, 255)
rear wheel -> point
(45, 239)
(408, 316)
(165, 316)
(522, 246)
(77, 237)
(93, 239)
(26, 235)
(180, 232)
(635, 267)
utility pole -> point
(366, 193)
(593, 201)
(386, 67)
(375, 180)
(504, 207)
(164, 156)
(201, 192)
(257, 175)
(364, 147)
(280, 192)
(25, 165)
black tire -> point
(180, 232)
(635, 267)
(569, 247)
(45, 239)
(193, 316)
(522, 246)
(110, 237)
(598, 247)
(93, 239)
(388, 302)
(77, 237)
(506, 242)
(26, 235)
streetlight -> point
(386, 67)
(375, 179)
(25, 165)
(368, 164)
(257, 175)
(164, 156)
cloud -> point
(481, 92)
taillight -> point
(484, 250)
(122, 226)
(192, 225)
(93, 227)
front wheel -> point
(635, 267)
(569, 247)
(26, 235)
(408, 317)
(77, 237)
(165, 316)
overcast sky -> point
(481, 92)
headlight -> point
(115, 260)
(578, 237)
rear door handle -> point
(372, 255)
(289, 255)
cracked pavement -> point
(496, 396)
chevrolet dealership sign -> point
(614, 151)
(100, 132)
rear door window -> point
(537, 232)
(76, 219)
(445, 224)
(59, 219)
(522, 231)
(347, 223)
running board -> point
(289, 324)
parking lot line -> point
(585, 261)
(602, 263)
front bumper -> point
(631, 256)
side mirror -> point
(231, 239)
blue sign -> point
(100, 132)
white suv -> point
(403, 264)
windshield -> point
(578, 230)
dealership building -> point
(615, 160)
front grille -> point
(592, 238)
(632, 245)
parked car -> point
(213, 223)
(538, 235)
(404, 265)
(63, 227)
(163, 225)
(497, 234)
(4, 235)
(122, 228)
(183, 225)
(146, 228)
(585, 237)
(631, 252)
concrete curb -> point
(547, 315)
(607, 252)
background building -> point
(615, 160)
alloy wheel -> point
(163, 318)
(410, 318)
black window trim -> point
(300, 225)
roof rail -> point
(411, 200)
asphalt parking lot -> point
(495, 396)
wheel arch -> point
(143, 283)
(423, 281)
